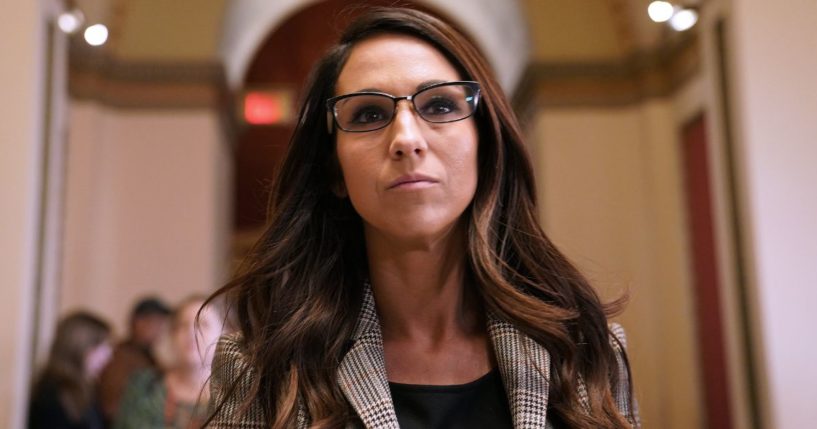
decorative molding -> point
(620, 11)
(630, 81)
(99, 76)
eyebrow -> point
(420, 87)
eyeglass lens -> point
(369, 112)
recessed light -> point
(96, 35)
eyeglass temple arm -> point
(330, 122)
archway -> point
(498, 27)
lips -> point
(409, 180)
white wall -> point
(775, 77)
(147, 207)
(22, 88)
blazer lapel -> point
(525, 368)
(523, 363)
(362, 372)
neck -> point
(419, 288)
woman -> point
(403, 279)
(63, 395)
(177, 397)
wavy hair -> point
(77, 334)
(297, 298)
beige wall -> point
(775, 64)
(21, 83)
(610, 197)
(147, 207)
(195, 39)
(565, 31)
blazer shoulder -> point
(230, 361)
(617, 333)
(623, 389)
(231, 346)
(231, 382)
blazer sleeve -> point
(623, 391)
(230, 384)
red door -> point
(707, 286)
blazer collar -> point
(362, 372)
(523, 363)
(525, 368)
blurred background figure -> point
(63, 395)
(177, 396)
(148, 321)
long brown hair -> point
(298, 296)
(77, 334)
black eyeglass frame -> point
(332, 118)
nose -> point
(405, 133)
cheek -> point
(359, 172)
(462, 160)
(464, 174)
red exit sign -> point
(268, 106)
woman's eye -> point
(368, 115)
(439, 106)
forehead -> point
(395, 64)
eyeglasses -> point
(360, 112)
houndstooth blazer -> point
(362, 378)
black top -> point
(47, 412)
(479, 404)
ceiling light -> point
(683, 20)
(660, 11)
(70, 21)
(96, 35)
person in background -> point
(177, 397)
(63, 394)
(148, 320)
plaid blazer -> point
(362, 378)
